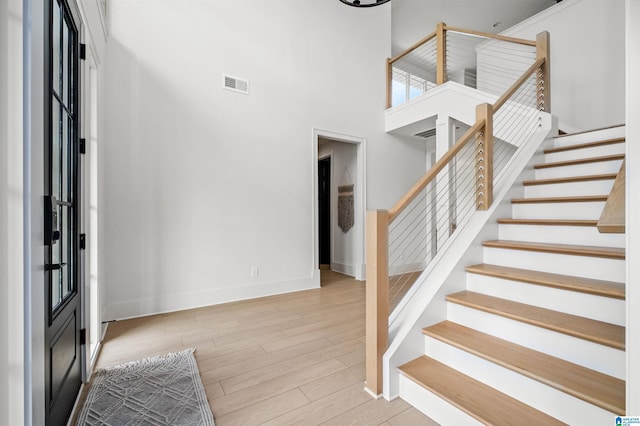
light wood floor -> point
(296, 358)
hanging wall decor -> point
(345, 207)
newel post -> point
(543, 83)
(441, 48)
(484, 158)
(377, 298)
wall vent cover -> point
(427, 133)
(235, 84)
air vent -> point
(236, 84)
(427, 133)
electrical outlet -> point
(254, 272)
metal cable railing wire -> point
(427, 223)
(432, 218)
(414, 74)
(487, 64)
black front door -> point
(62, 301)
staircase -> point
(537, 337)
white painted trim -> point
(633, 206)
(360, 197)
(344, 269)
(177, 302)
(373, 395)
(33, 172)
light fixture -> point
(364, 3)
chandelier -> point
(364, 3)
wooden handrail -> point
(433, 171)
(413, 47)
(519, 82)
(377, 227)
(494, 36)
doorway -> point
(339, 163)
(63, 339)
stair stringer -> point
(424, 303)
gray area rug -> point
(163, 390)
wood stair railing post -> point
(543, 83)
(484, 157)
(377, 298)
(441, 43)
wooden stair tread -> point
(580, 161)
(571, 249)
(596, 388)
(570, 179)
(478, 400)
(566, 282)
(583, 328)
(584, 145)
(578, 199)
(548, 222)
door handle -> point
(54, 267)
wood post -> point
(484, 158)
(543, 83)
(441, 46)
(377, 297)
(389, 82)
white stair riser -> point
(542, 397)
(596, 151)
(432, 405)
(591, 355)
(585, 305)
(580, 266)
(578, 235)
(597, 168)
(569, 189)
(598, 135)
(582, 210)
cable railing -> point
(406, 240)
(484, 61)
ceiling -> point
(414, 19)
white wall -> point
(11, 199)
(633, 205)
(201, 183)
(587, 40)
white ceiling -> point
(414, 19)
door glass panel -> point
(56, 129)
(66, 251)
(65, 63)
(55, 29)
(66, 151)
(56, 291)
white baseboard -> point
(179, 302)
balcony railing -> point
(483, 61)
